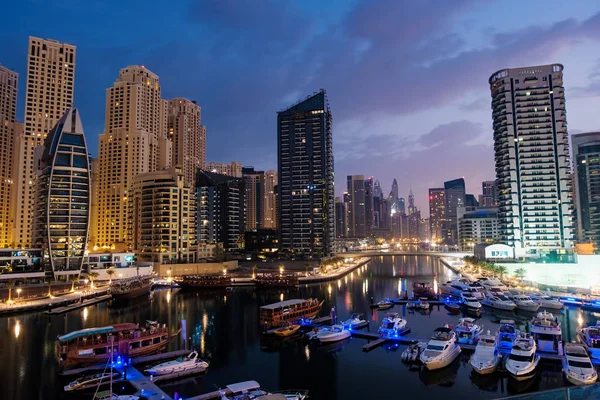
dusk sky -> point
(407, 81)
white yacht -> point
(525, 303)
(577, 366)
(547, 333)
(522, 361)
(507, 333)
(179, 364)
(356, 321)
(498, 301)
(490, 284)
(476, 291)
(423, 304)
(91, 381)
(486, 358)
(453, 288)
(251, 390)
(590, 338)
(392, 325)
(546, 301)
(468, 331)
(333, 334)
(441, 349)
(469, 301)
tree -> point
(49, 283)
(110, 272)
(10, 284)
(306, 267)
(94, 275)
(521, 273)
(501, 269)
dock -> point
(313, 323)
(211, 395)
(75, 306)
(143, 384)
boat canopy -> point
(443, 329)
(96, 331)
(282, 304)
(242, 387)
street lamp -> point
(281, 270)
(19, 292)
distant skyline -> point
(407, 82)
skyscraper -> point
(134, 142)
(586, 157)
(368, 206)
(411, 203)
(254, 189)
(454, 196)
(305, 166)
(234, 168)
(50, 87)
(356, 206)
(437, 212)
(394, 196)
(188, 136)
(401, 205)
(341, 218)
(9, 130)
(489, 194)
(62, 201)
(532, 159)
(270, 200)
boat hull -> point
(358, 325)
(334, 338)
(499, 306)
(579, 382)
(175, 369)
(441, 362)
(523, 374)
(527, 307)
(550, 305)
(482, 368)
(133, 293)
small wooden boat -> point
(287, 329)
(384, 304)
(276, 280)
(289, 311)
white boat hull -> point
(580, 382)
(484, 369)
(334, 337)
(550, 305)
(442, 361)
(528, 307)
(523, 373)
(499, 306)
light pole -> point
(19, 292)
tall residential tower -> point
(586, 160)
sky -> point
(407, 81)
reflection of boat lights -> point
(307, 352)
(204, 320)
(399, 287)
(579, 319)
(329, 288)
(346, 279)
(339, 283)
(85, 314)
(435, 285)
(225, 299)
(168, 297)
(17, 330)
(281, 296)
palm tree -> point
(520, 273)
(110, 272)
(92, 276)
(10, 284)
(49, 283)
(306, 267)
(501, 269)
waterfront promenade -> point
(19, 306)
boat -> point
(333, 334)
(547, 333)
(91, 345)
(384, 304)
(441, 349)
(276, 280)
(287, 329)
(179, 364)
(525, 303)
(593, 306)
(423, 289)
(507, 334)
(130, 288)
(107, 395)
(356, 321)
(492, 284)
(312, 335)
(589, 336)
(452, 306)
(498, 301)
(412, 352)
(546, 301)
(453, 288)
(469, 301)
(168, 282)
(577, 366)
(476, 291)
(392, 325)
(273, 315)
(423, 304)
(522, 361)
(204, 282)
(467, 331)
(89, 381)
(251, 390)
(486, 358)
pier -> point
(75, 306)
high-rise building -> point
(10, 129)
(414, 225)
(424, 230)
(377, 192)
(532, 159)
(270, 200)
(341, 218)
(471, 201)
(586, 160)
(437, 212)
(477, 226)
(489, 194)
(394, 196)
(234, 168)
(254, 192)
(454, 196)
(401, 205)
(156, 235)
(305, 166)
(368, 206)
(134, 142)
(188, 136)
(411, 203)
(220, 209)
(62, 201)
(356, 206)
(50, 87)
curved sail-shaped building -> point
(62, 206)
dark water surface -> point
(224, 328)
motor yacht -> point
(589, 336)
(522, 361)
(384, 304)
(413, 351)
(547, 333)
(441, 349)
(498, 301)
(507, 334)
(356, 321)
(452, 306)
(577, 366)
(333, 334)
(312, 335)
(179, 364)
(91, 381)
(392, 325)
(546, 301)
(468, 331)
(453, 288)
(477, 290)
(490, 284)
(251, 390)
(469, 301)
(525, 303)
(486, 358)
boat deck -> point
(75, 306)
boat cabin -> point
(289, 310)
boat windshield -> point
(502, 297)
(180, 359)
(434, 347)
(579, 364)
(520, 358)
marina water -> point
(224, 328)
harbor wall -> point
(162, 270)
